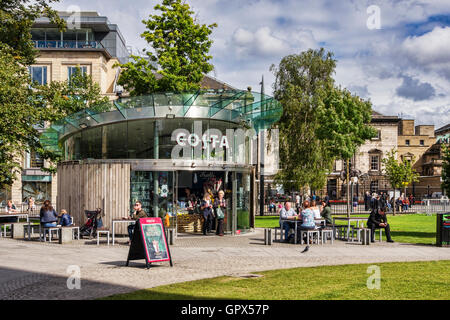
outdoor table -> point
(114, 226)
(349, 220)
(29, 224)
(14, 215)
(296, 222)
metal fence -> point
(427, 206)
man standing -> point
(367, 199)
(377, 220)
(287, 213)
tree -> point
(16, 20)
(446, 169)
(180, 49)
(345, 120)
(399, 173)
(19, 111)
(65, 98)
(68, 97)
(320, 122)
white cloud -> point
(430, 48)
(253, 34)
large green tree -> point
(18, 112)
(16, 20)
(446, 169)
(400, 174)
(320, 122)
(179, 52)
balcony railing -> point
(67, 44)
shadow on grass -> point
(413, 234)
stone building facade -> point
(367, 161)
(94, 46)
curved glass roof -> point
(256, 110)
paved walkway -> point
(33, 270)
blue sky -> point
(403, 67)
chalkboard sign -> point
(443, 230)
(149, 242)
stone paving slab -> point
(34, 270)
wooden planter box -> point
(189, 223)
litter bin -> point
(443, 229)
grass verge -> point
(398, 281)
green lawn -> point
(407, 228)
(409, 281)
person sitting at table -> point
(65, 220)
(326, 213)
(48, 215)
(287, 213)
(307, 218)
(315, 209)
(377, 220)
(10, 207)
(137, 214)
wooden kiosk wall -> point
(87, 186)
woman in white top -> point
(315, 209)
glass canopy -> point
(242, 107)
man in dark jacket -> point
(377, 220)
(138, 213)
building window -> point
(407, 142)
(422, 142)
(374, 186)
(71, 71)
(374, 162)
(378, 136)
(38, 74)
(33, 160)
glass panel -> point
(161, 194)
(140, 140)
(243, 201)
(115, 141)
(92, 143)
(140, 190)
(4, 196)
(40, 191)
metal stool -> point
(9, 225)
(340, 231)
(309, 232)
(381, 235)
(281, 230)
(326, 233)
(98, 236)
